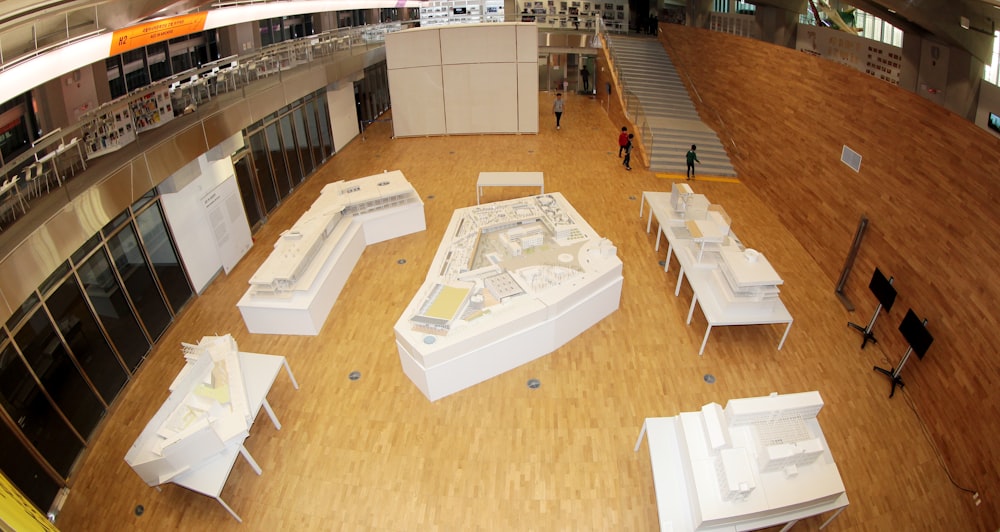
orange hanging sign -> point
(134, 37)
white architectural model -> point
(759, 462)
(511, 281)
(294, 289)
(207, 409)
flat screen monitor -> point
(883, 289)
(915, 333)
(994, 122)
(459, 10)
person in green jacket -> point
(692, 158)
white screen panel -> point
(343, 115)
(527, 97)
(479, 43)
(412, 48)
(481, 98)
(417, 101)
(527, 43)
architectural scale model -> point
(511, 281)
(207, 409)
(294, 289)
(756, 463)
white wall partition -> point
(467, 79)
(343, 115)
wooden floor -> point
(375, 454)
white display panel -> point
(417, 101)
(527, 97)
(481, 98)
(413, 48)
(490, 43)
(343, 115)
(527, 44)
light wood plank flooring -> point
(375, 454)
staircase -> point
(653, 90)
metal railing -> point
(25, 41)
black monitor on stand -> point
(915, 332)
(886, 295)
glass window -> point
(262, 163)
(157, 57)
(315, 142)
(20, 312)
(245, 181)
(38, 420)
(139, 284)
(86, 341)
(291, 150)
(160, 249)
(277, 160)
(302, 139)
(24, 471)
(323, 115)
(108, 300)
(49, 360)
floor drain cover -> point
(662, 262)
(401, 261)
(139, 510)
(355, 375)
(534, 383)
(431, 196)
(631, 198)
(709, 378)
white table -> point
(509, 179)
(704, 279)
(676, 493)
(209, 477)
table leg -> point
(288, 370)
(270, 414)
(250, 460)
(788, 526)
(659, 232)
(680, 279)
(649, 219)
(228, 509)
(782, 342)
(479, 193)
(642, 200)
(642, 432)
(694, 301)
(705, 341)
(832, 517)
(670, 252)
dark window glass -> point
(160, 249)
(302, 141)
(291, 151)
(116, 80)
(139, 284)
(244, 178)
(158, 59)
(24, 471)
(54, 278)
(108, 300)
(323, 115)
(47, 357)
(22, 311)
(134, 66)
(86, 341)
(277, 160)
(315, 142)
(81, 253)
(262, 164)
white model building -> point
(294, 290)
(511, 281)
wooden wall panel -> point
(928, 183)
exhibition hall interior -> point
(499, 264)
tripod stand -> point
(893, 373)
(866, 332)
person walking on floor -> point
(622, 141)
(628, 153)
(585, 76)
(692, 158)
(557, 108)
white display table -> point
(295, 289)
(511, 281)
(687, 241)
(509, 179)
(201, 463)
(691, 472)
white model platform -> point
(294, 289)
(758, 463)
(511, 281)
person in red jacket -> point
(622, 141)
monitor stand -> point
(893, 373)
(866, 332)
